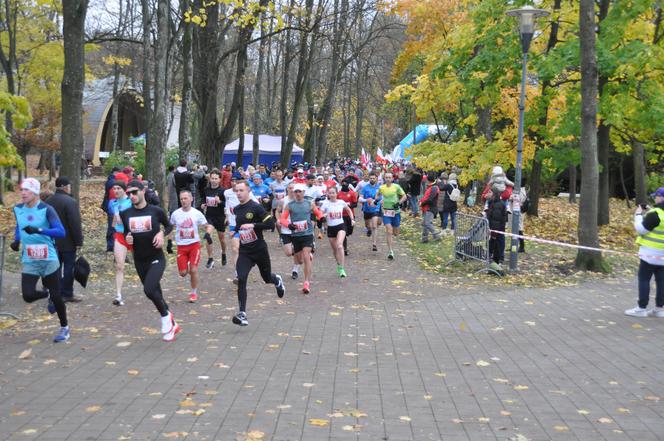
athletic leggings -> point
(150, 272)
(52, 282)
(246, 261)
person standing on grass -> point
(650, 229)
(429, 204)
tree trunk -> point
(157, 127)
(285, 79)
(639, 172)
(114, 108)
(256, 125)
(73, 81)
(240, 128)
(603, 146)
(572, 183)
(535, 184)
(588, 229)
(184, 139)
(622, 181)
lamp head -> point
(527, 16)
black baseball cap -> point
(62, 181)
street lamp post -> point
(414, 115)
(526, 16)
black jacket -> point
(415, 184)
(70, 216)
(448, 205)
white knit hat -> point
(31, 184)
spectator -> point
(226, 175)
(183, 178)
(496, 213)
(449, 207)
(429, 205)
(109, 195)
(414, 183)
(70, 216)
(497, 172)
(172, 191)
(650, 229)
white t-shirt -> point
(360, 186)
(313, 192)
(283, 229)
(334, 212)
(231, 202)
(186, 225)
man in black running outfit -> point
(142, 230)
(251, 219)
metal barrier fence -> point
(2, 270)
(471, 240)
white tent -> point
(266, 144)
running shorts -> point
(219, 223)
(395, 220)
(188, 256)
(119, 237)
(300, 242)
(285, 239)
(368, 214)
(349, 226)
(332, 231)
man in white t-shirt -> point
(187, 220)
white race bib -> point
(210, 201)
(248, 236)
(37, 252)
(301, 225)
(140, 224)
(279, 196)
(389, 213)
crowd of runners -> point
(240, 208)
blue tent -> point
(269, 151)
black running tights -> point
(246, 261)
(52, 283)
(150, 272)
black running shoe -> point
(281, 289)
(294, 275)
(210, 263)
(223, 259)
(240, 319)
(374, 248)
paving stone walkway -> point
(390, 353)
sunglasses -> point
(297, 191)
(132, 192)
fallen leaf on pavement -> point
(318, 422)
(123, 344)
(405, 418)
(93, 409)
(25, 354)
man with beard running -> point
(251, 219)
(142, 230)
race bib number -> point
(231, 210)
(37, 252)
(279, 196)
(389, 213)
(248, 236)
(211, 201)
(186, 233)
(301, 225)
(335, 215)
(140, 224)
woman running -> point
(348, 195)
(334, 210)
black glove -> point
(31, 230)
(292, 227)
(15, 245)
(169, 247)
(207, 238)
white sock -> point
(194, 290)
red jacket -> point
(226, 179)
(429, 201)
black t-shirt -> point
(144, 225)
(252, 212)
(214, 209)
(183, 180)
(351, 179)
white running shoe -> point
(170, 335)
(167, 323)
(657, 311)
(637, 312)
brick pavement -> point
(391, 353)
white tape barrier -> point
(578, 247)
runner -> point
(213, 205)
(392, 196)
(371, 200)
(37, 225)
(252, 219)
(120, 245)
(232, 202)
(186, 221)
(314, 192)
(278, 188)
(142, 230)
(285, 234)
(334, 210)
(347, 195)
(297, 217)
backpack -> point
(525, 205)
(496, 214)
(455, 194)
